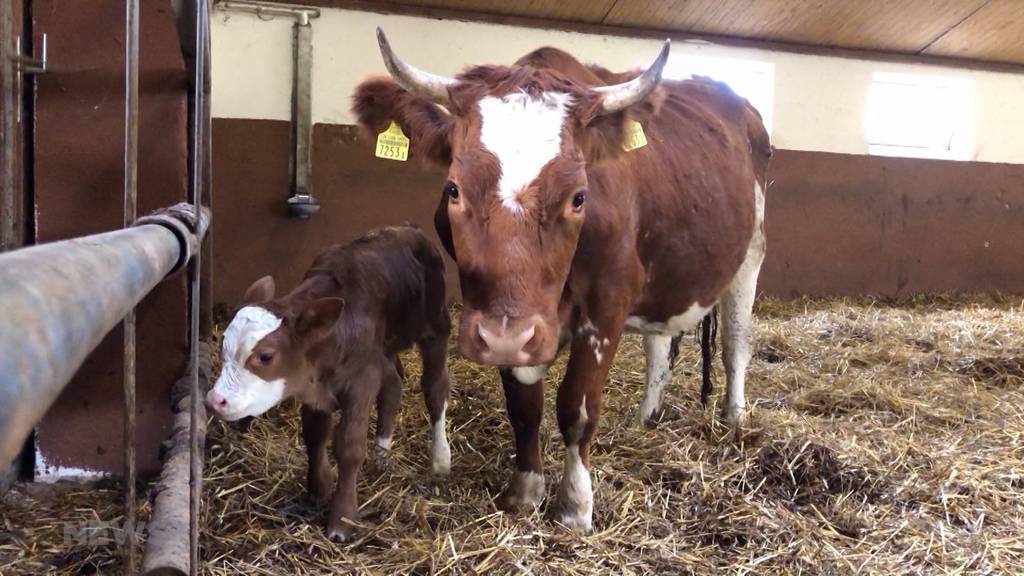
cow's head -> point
(516, 141)
(266, 351)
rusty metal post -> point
(199, 123)
(131, 175)
(8, 94)
(58, 301)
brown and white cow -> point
(333, 344)
(562, 238)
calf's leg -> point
(350, 452)
(316, 429)
(658, 350)
(389, 400)
(436, 388)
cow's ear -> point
(317, 319)
(602, 135)
(261, 291)
(379, 101)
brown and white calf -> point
(564, 239)
(332, 343)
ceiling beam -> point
(397, 7)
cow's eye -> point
(265, 358)
(452, 191)
(577, 201)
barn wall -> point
(836, 223)
(819, 101)
(79, 183)
(839, 221)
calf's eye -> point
(265, 358)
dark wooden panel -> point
(996, 32)
(906, 26)
(841, 224)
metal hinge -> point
(27, 65)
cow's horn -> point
(413, 79)
(621, 96)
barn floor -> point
(883, 439)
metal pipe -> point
(199, 122)
(131, 175)
(58, 300)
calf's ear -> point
(379, 101)
(261, 291)
(317, 320)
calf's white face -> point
(239, 392)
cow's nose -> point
(216, 402)
(504, 345)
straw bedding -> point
(883, 438)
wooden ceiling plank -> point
(994, 33)
(905, 25)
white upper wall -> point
(819, 102)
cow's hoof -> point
(441, 463)
(649, 420)
(734, 415)
(525, 493)
(580, 522)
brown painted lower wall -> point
(79, 183)
(837, 224)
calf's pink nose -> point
(216, 401)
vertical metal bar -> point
(198, 155)
(302, 202)
(131, 174)
(8, 231)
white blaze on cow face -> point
(524, 133)
(246, 393)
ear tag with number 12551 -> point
(393, 144)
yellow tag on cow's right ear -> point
(635, 137)
(393, 144)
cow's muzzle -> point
(506, 341)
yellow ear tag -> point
(393, 144)
(635, 137)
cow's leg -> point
(350, 449)
(579, 408)
(659, 351)
(524, 400)
(389, 400)
(436, 387)
(737, 318)
(316, 429)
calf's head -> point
(516, 141)
(267, 349)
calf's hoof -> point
(340, 532)
(524, 493)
